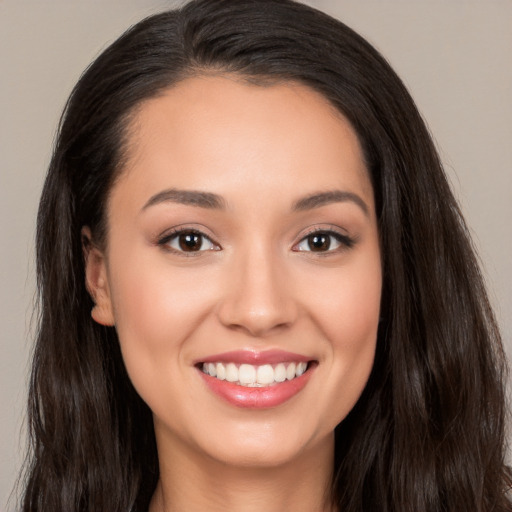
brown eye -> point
(319, 242)
(324, 242)
(190, 242)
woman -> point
(257, 291)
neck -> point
(190, 482)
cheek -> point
(156, 310)
(149, 294)
(346, 304)
(354, 335)
(347, 312)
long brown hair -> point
(428, 432)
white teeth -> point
(249, 375)
(246, 374)
(212, 369)
(265, 374)
(280, 373)
(301, 368)
(221, 371)
(231, 373)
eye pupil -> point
(190, 242)
(319, 242)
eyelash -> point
(175, 234)
(344, 241)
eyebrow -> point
(319, 199)
(212, 201)
(187, 197)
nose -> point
(258, 297)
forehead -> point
(208, 130)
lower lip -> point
(257, 398)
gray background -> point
(454, 55)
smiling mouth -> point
(255, 376)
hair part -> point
(428, 432)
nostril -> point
(256, 323)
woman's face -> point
(242, 250)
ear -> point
(96, 280)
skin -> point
(257, 285)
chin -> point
(265, 446)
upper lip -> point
(255, 357)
